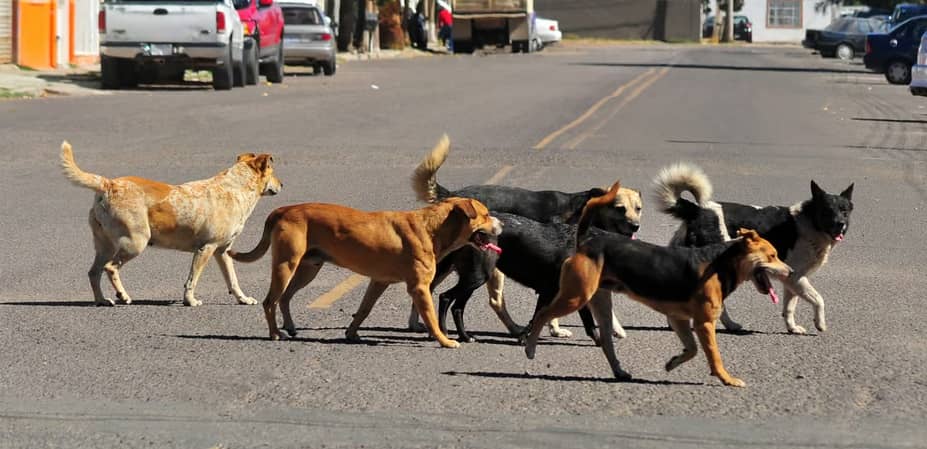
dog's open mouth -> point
(838, 237)
(482, 241)
(764, 285)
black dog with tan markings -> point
(682, 283)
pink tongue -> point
(493, 247)
(773, 296)
(633, 236)
(839, 238)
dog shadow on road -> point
(498, 375)
(484, 337)
(85, 303)
(367, 340)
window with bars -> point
(783, 13)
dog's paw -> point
(674, 362)
(291, 332)
(467, 338)
(124, 298)
(352, 336)
(734, 382)
(517, 330)
(529, 351)
(451, 344)
(192, 302)
(560, 333)
(620, 333)
(105, 302)
(277, 336)
(796, 329)
(247, 300)
(622, 375)
(821, 325)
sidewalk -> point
(24, 83)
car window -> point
(838, 25)
(241, 4)
(295, 15)
(918, 29)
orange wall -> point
(36, 33)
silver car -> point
(308, 37)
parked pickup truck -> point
(263, 23)
(479, 23)
(147, 40)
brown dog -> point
(682, 283)
(202, 217)
(388, 247)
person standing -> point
(445, 24)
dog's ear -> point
(748, 234)
(261, 162)
(466, 207)
(816, 192)
(848, 193)
(245, 157)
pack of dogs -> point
(574, 249)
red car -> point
(263, 24)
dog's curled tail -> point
(424, 180)
(681, 177)
(269, 224)
(600, 201)
(76, 175)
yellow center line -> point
(337, 292)
(624, 101)
(595, 107)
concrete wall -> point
(625, 19)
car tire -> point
(222, 75)
(845, 52)
(898, 72)
(252, 68)
(328, 67)
(275, 70)
(317, 68)
(110, 73)
(238, 72)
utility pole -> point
(716, 29)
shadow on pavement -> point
(89, 303)
(721, 67)
(498, 375)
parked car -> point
(919, 71)
(149, 40)
(263, 22)
(743, 28)
(905, 11)
(308, 37)
(844, 38)
(548, 31)
(893, 53)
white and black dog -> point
(803, 234)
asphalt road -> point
(762, 122)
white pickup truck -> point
(484, 23)
(146, 40)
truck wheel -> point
(463, 47)
(275, 70)
(329, 67)
(109, 72)
(239, 74)
(222, 74)
(845, 52)
(128, 76)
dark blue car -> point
(893, 53)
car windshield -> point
(296, 15)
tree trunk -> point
(729, 23)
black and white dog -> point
(803, 234)
(545, 207)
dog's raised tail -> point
(77, 176)
(269, 224)
(600, 201)
(424, 178)
(681, 177)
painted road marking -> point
(354, 280)
(624, 101)
(589, 112)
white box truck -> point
(483, 23)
